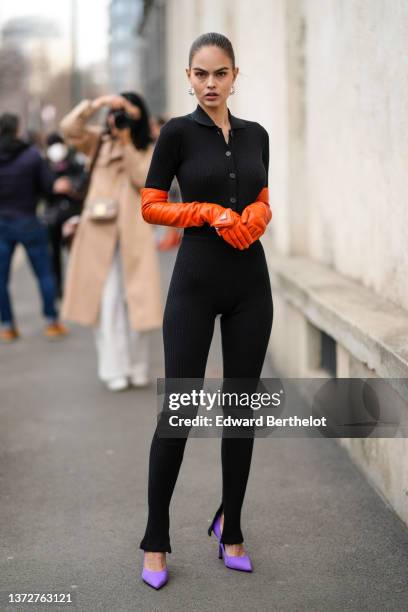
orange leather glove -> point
(237, 235)
(158, 210)
(257, 215)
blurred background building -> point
(137, 49)
(153, 29)
(125, 45)
(41, 75)
(32, 53)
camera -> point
(121, 119)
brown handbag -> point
(103, 210)
(100, 209)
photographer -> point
(113, 281)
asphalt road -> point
(73, 478)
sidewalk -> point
(73, 478)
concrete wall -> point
(357, 140)
(384, 461)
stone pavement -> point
(73, 477)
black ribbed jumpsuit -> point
(210, 277)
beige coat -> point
(119, 173)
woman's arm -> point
(257, 215)
(74, 125)
(156, 207)
(75, 131)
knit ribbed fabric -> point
(210, 277)
(193, 148)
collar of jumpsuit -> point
(202, 117)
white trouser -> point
(121, 350)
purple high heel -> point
(237, 563)
(155, 579)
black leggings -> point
(210, 277)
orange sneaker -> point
(56, 330)
(9, 335)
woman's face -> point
(211, 75)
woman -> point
(113, 281)
(221, 163)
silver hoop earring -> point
(232, 90)
(191, 91)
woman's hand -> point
(69, 230)
(237, 234)
(116, 102)
(102, 101)
(62, 185)
(257, 215)
(255, 223)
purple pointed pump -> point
(155, 579)
(237, 563)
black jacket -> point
(24, 178)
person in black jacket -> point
(24, 177)
(62, 206)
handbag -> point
(103, 210)
(100, 209)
